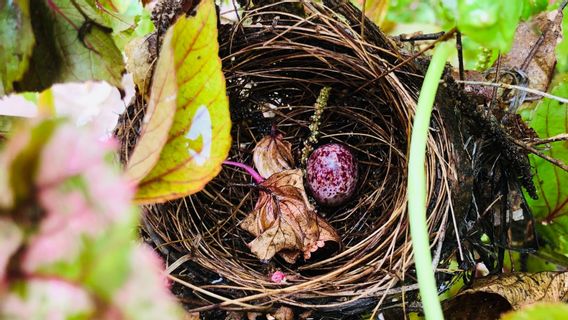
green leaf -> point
(544, 310)
(73, 44)
(532, 7)
(16, 42)
(20, 157)
(490, 23)
(548, 119)
(128, 19)
(107, 259)
(562, 49)
(199, 139)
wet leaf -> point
(73, 44)
(284, 221)
(548, 119)
(549, 311)
(490, 23)
(16, 42)
(199, 138)
(505, 292)
(128, 19)
(540, 69)
(272, 154)
(562, 49)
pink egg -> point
(332, 172)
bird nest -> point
(276, 64)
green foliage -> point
(532, 7)
(16, 42)
(128, 19)
(562, 49)
(21, 172)
(187, 138)
(543, 310)
(548, 119)
(67, 246)
(490, 23)
(73, 44)
(43, 42)
(421, 12)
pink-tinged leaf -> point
(81, 193)
(10, 240)
(49, 298)
(199, 138)
(155, 301)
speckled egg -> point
(332, 172)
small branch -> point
(511, 86)
(420, 37)
(531, 149)
(556, 138)
(255, 175)
(443, 38)
(459, 46)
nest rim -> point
(372, 265)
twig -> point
(459, 46)
(511, 86)
(211, 294)
(533, 150)
(556, 138)
(443, 38)
(421, 37)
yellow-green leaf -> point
(199, 138)
(158, 118)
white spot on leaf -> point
(201, 126)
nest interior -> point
(276, 64)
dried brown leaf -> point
(284, 221)
(283, 313)
(273, 154)
(540, 66)
(507, 291)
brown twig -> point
(536, 152)
(556, 138)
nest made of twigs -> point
(275, 64)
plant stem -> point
(255, 175)
(417, 184)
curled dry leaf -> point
(140, 61)
(284, 222)
(544, 31)
(283, 313)
(273, 154)
(501, 293)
